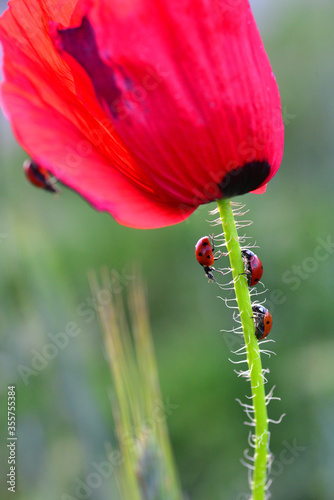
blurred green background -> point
(47, 245)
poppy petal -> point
(198, 98)
(72, 138)
(147, 108)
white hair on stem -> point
(271, 421)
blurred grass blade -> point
(147, 470)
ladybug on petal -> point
(204, 254)
(39, 176)
(263, 321)
(253, 267)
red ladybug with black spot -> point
(253, 267)
(39, 176)
(204, 254)
(262, 320)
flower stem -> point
(253, 353)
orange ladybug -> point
(263, 321)
(204, 254)
(253, 267)
(39, 176)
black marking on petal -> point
(245, 178)
(81, 44)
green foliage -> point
(146, 468)
(64, 411)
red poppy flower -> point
(147, 108)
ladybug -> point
(38, 176)
(262, 320)
(204, 254)
(253, 267)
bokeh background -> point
(48, 244)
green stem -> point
(252, 349)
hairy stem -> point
(252, 349)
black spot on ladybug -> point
(204, 244)
(256, 279)
(208, 257)
(200, 254)
(245, 178)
